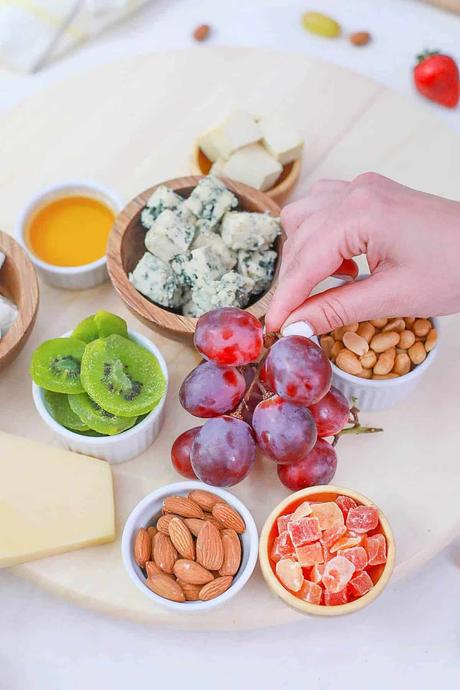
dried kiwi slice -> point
(56, 363)
(121, 376)
(100, 325)
(58, 406)
(96, 418)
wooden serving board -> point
(132, 124)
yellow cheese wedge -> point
(51, 501)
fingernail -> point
(298, 328)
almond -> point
(165, 587)
(209, 548)
(164, 553)
(192, 592)
(205, 499)
(360, 38)
(191, 572)
(142, 547)
(151, 569)
(163, 523)
(229, 517)
(232, 552)
(201, 32)
(210, 518)
(152, 531)
(181, 538)
(194, 525)
(215, 588)
(180, 505)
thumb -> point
(371, 298)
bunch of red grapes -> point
(284, 404)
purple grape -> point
(211, 390)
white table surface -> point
(409, 637)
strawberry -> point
(436, 77)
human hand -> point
(412, 243)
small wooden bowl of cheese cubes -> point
(264, 153)
(18, 298)
(192, 244)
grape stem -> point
(238, 413)
(355, 427)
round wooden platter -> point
(130, 125)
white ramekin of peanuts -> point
(188, 548)
(380, 362)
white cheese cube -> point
(252, 165)
(208, 145)
(212, 239)
(232, 290)
(284, 143)
(237, 130)
(156, 280)
(169, 235)
(209, 201)
(199, 266)
(163, 197)
(258, 266)
(251, 231)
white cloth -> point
(34, 32)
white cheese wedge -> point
(237, 130)
(252, 165)
(283, 142)
(208, 145)
(51, 501)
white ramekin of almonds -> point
(188, 549)
(380, 362)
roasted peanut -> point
(379, 323)
(397, 325)
(383, 377)
(327, 343)
(431, 340)
(355, 343)
(406, 340)
(409, 320)
(336, 349)
(383, 341)
(421, 327)
(366, 330)
(338, 333)
(402, 364)
(417, 353)
(365, 374)
(368, 360)
(385, 362)
(348, 362)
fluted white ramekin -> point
(125, 446)
(68, 277)
(382, 394)
(145, 513)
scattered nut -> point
(201, 32)
(360, 38)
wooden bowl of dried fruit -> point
(19, 286)
(192, 244)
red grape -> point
(223, 452)
(263, 378)
(211, 390)
(284, 430)
(331, 413)
(180, 453)
(298, 370)
(318, 467)
(229, 336)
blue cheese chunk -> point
(250, 231)
(209, 201)
(232, 290)
(202, 265)
(169, 235)
(190, 309)
(162, 198)
(156, 280)
(212, 239)
(258, 266)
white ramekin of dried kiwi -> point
(380, 362)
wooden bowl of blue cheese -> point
(192, 244)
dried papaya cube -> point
(336, 598)
(346, 542)
(303, 510)
(337, 573)
(345, 503)
(310, 592)
(289, 574)
(356, 554)
(331, 535)
(376, 547)
(316, 573)
(360, 584)
(282, 523)
(310, 554)
(282, 546)
(328, 514)
(362, 519)
(304, 530)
